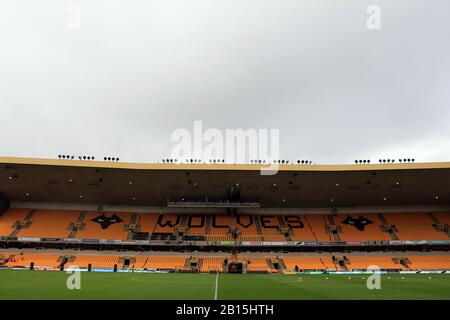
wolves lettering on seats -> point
(293, 222)
(266, 220)
(250, 221)
(192, 224)
(168, 222)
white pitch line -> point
(217, 285)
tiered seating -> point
(250, 233)
(311, 227)
(82, 261)
(216, 263)
(371, 231)
(302, 234)
(194, 230)
(147, 221)
(165, 262)
(270, 221)
(363, 262)
(271, 234)
(115, 231)
(223, 220)
(317, 225)
(414, 226)
(247, 237)
(219, 238)
(308, 263)
(429, 262)
(8, 219)
(257, 264)
(40, 260)
(50, 224)
(168, 227)
(443, 217)
(212, 264)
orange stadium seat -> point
(166, 262)
(39, 260)
(196, 228)
(429, 262)
(50, 224)
(219, 238)
(371, 231)
(9, 218)
(223, 220)
(317, 224)
(273, 226)
(414, 226)
(251, 238)
(168, 223)
(311, 227)
(97, 261)
(304, 233)
(443, 217)
(247, 226)
(257, 264)
(93, 230)
(363, 262)
(308, 263)
(147, 222)
(212, 264)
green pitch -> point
(52, 285)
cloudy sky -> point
(135, 71)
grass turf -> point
(52, 285)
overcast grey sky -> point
(136, 70)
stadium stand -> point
(46, 223)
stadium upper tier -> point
(219, 185)
(45, 223)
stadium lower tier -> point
(202, 263)
(43, 223)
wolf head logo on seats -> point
(105, 222)
(359, 223)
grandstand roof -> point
(296, 186)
